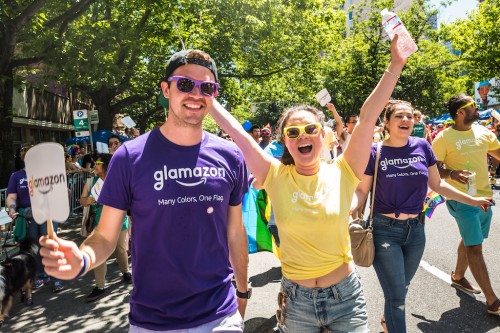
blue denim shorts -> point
(473, 222)
(338, 308)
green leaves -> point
(270, 54)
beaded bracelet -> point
(391, 73)
(86, 265)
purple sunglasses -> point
(186, 85)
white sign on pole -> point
(127, 121)
(80, 120)
(94, 117)
(79, 114)
(82, 133)
(323, 97)
(47, 184)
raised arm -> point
(358, 150)
(339, 127)
(257, 160)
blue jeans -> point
(36, 231)
(338, 308)
(399, 245)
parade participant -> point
(496, 130)
(254, 131)
(320, 287)
(113, 144)
(330, 144)
(439, 129)
(183, 187)
(343, 134)
(461, 151)
(407, 167)
(265, 134)
(18, 201)
(87, 199)
(419, 128)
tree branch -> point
(71, 14)
(25, 61)
(255, 76)
(132, 99)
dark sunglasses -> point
(186, 85)
(293, 132)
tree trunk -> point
(102, 101)
(6, 142)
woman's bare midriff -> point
(329, 279)
(402, 216)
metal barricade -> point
(3, 197)
(6, 229)
(76, 182)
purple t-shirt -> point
(179, 198)
(18, 183)
(402, 176)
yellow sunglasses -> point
(99, 163)
(474, 105)
(293, 132)
(398, 101)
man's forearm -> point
(11, 203)
(238, 256)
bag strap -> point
(377, 158)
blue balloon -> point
(247, 125)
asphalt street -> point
(432, 304)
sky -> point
(457, 9)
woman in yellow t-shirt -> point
(311, 199)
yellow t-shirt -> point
(455, 148)
(312, 215)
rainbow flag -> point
(432, 200)
(489, 122)
(256, 213)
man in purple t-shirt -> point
(19, 203)
(184, 188)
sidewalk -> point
(67, 311)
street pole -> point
(91, 140)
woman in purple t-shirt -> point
(407, 167)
